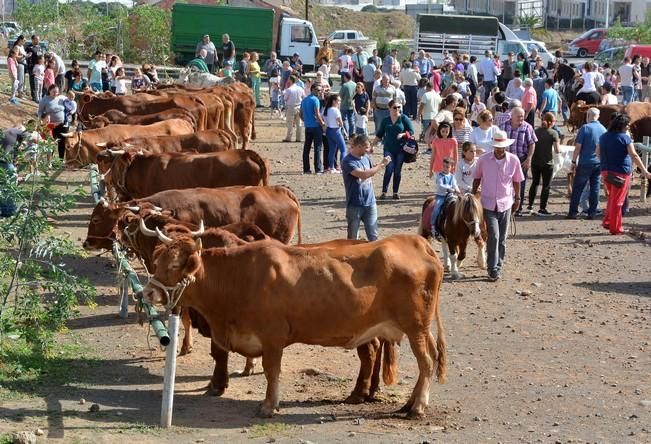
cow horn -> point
(116, 152)
(157, 208)
(198, 244)
(146, 231)
(101, 144)
(200, 231)
(134, 209)
(68, 134)
(164, 239)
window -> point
(339, 36)
(301, 33)
(351, 36)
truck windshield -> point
(301, 33)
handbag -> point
(615, 180)
(409, 146)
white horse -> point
(189, 77)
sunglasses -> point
(458, 120)
(396, 107)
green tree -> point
(39, 291)
(150, 34)
(640, 33)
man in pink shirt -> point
(529, 102)
(499, 173)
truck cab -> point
(298, 37)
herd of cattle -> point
(214, 235)
(639, 112)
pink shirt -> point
(12, 67)
(497, 179)
(442, 148)
(529, 99)
(48, 78)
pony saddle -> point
(450, 198)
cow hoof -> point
(354, 398)
(265, 412)
(405, 408)
(446, 268)
(415, 414)
(215, 391)
(185, 351)
(456, 276)
(243, 373)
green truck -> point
(251, 29)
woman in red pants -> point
(617, 155)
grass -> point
(6, 439)
(269, 429)
(23, 372)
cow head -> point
(178, 262)
(577, 113)
(73, 148)
(98, 122)
(103, 224)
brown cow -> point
(115, 116)
(206, 141)
(579, 110)
(139, 174)
(82, 146)
(142, 239)
(90, 106)
(275, 209)
(331, 297)
(640, 128)
(637, 111)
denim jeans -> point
(394, 168)
(378, 116)
(438, 204)
(411, 97)
(523, 184)
(348, 116)
(585, 174)
(497, 225)
(627, 94)
(368, 215)
(335, 143)
(488, 86)
(313, 135)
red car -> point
(587, 43)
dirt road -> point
(557, 351)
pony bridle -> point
(173, 293)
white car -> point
(346, 35)
(547, 57)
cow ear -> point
(193, 265)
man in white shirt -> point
(607, 97)
(293, 97)
(488, 69)
(428, 108)
(626, 79)
(60, 70)
(471, 75)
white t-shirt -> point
(361, 121)
(120, 86)
(483, 138)
(39, 72)
(431, 101)
(476, 109)
(626, 75)
(611, 99)
(589, 82)
(331, 117)
(345, 61)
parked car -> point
(613, 56)
(587, 43)
(346, 34)
(547, 57)
(641, 50)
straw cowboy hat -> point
(500, 139)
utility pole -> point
(607, 13)
(307, 14)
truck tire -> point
(582, 52)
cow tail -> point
(389, 362)
(262, 163)
(438, 351)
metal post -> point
(124, 299)
(307, 14)
(607, 14)
(170, 373)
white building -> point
(594, 11)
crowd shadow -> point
(628, 288)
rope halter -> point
(172, 293)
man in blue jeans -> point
(586, 169)
(346, 93)
(314, 124)
(360, 198)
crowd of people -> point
(489, 125)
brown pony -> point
(463, 218)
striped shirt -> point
(382, 96)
